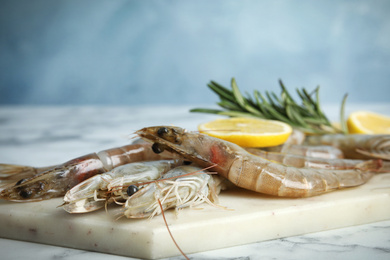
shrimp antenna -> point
(166, 224)
(118, 188)
(123, 187)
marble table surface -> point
(39, 136)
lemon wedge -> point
(248, 132)
(364, 122)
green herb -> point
(307, 116)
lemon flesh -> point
(364, 122)
(248, 132)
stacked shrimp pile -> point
(174, 169)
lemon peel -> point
(365, 122)
(248, 132)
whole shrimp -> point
(356, 146)
(183, 186)
(301, 161)
(99, 190)
(247, 170)
(56, 181)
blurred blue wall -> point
(166, 51)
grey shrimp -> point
(181, 187)
(100, 190)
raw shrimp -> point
(296, 137)
(95, 192)
(300, 161)
(58, 180)
(183, 191)
(11, 173)
(249, 171)
(318, 151)
(356, 146)
(294, 145)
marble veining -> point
(45, 135)
(369, 241)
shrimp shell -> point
(249, 171)
(181, 192)
(318, 151)
(356, 146)
(95, 192)
(59, 179)
(300, 161)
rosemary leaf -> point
(229, 105)
(306, 116)
(221, 91)
(237, 94)
(236, 114)
(206, 110)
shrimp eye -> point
(157, 148)
(25, 194)
(162, 130)
(131, 190)
(20, 182)
(187, 162)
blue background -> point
(165, 52)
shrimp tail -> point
(370, 165)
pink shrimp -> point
(318, 151)
(301, 161)
(56, 181)
(247, 170)
(356, 146)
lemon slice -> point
(248, 132)
(363, 122)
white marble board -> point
(254, 217)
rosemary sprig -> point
(307, 117)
